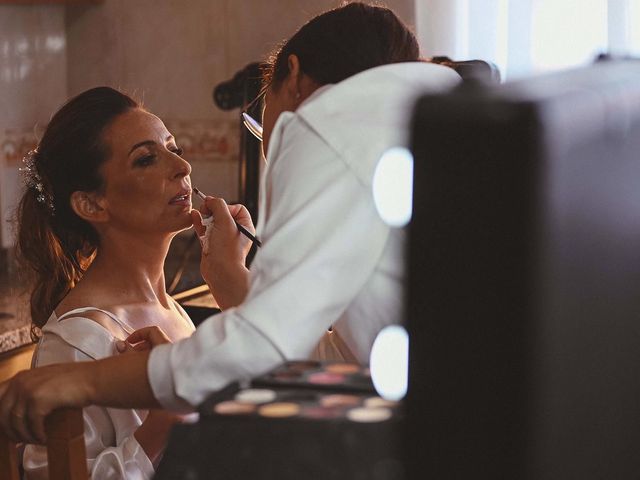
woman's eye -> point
(178, 151)
(144, 161)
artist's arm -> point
(27, 398)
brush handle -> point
(248, 234)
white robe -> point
(113, 453)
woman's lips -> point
(183, 198)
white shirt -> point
(327, 257)
(113, 453)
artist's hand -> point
(224, 250)
(142, 339)
(27, 398)
(223, 218)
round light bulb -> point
(393, 186)
(389, 362)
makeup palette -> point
(305, 389)
(335, 376)
(304, 403)
(303, 419)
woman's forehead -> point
(135, 126)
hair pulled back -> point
(54, 243)
(343, 42)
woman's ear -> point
(293, 79)
(299, 85)
(88, 206)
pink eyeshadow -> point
(320, 413)
(339, 400)
(324, 378)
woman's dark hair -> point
(342, 42)
(54, 243)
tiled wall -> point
(169, 53)
(33, 82)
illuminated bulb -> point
(393, 186)
(389, 362)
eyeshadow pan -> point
(369, 415)
(256, 395)
(343, 368)
(279, 409)
(320, 413)
(231, 407)
(326, 378)
(339, 400)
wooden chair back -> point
(66, 451)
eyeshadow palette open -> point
(307, 390)
(306, 404)
(325, 421)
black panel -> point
(523, 305)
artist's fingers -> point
(204, 209)
(220, 212)
(125, 347)
(152, 335)
(242, 216)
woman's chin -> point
(185, 222)
(179, 223)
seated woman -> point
(107, 190)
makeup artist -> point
(339, 94)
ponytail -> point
(41, 253)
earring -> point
(298, 96)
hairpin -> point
(32, 179)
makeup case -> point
(304, 419)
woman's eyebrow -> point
(141, 144)
(149, 142)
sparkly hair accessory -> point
(32, 179)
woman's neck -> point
(133, 265)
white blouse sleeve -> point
(113, 452)
(302, 279)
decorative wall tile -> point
(206, 140)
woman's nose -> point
(181, 168)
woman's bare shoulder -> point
(93, 305)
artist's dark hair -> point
(54, 243)
(342, 42)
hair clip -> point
(32, 179)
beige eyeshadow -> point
(344, 368)
(234, 408)
(369, 415)
(279, 409)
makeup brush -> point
(242, 230)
